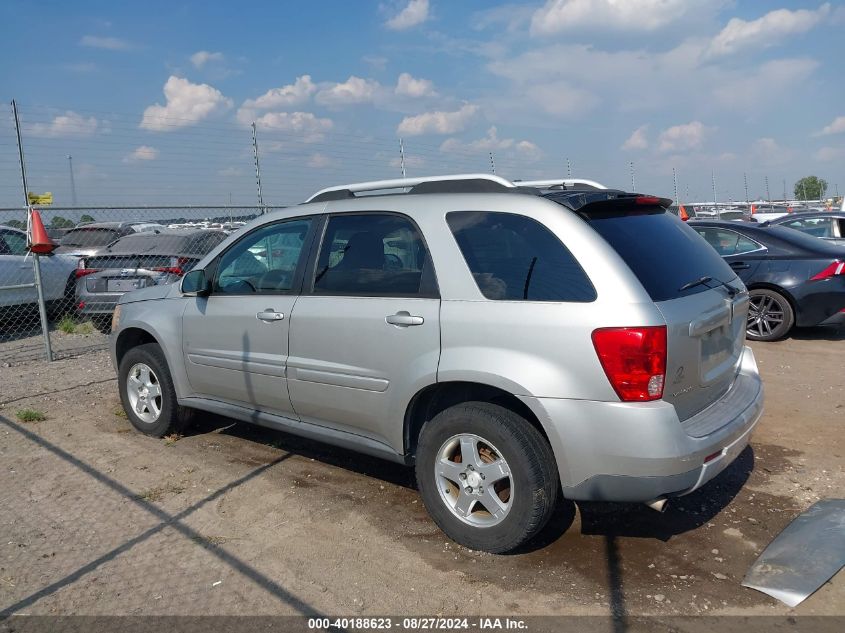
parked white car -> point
(17, 268)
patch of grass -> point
(202, 539)
(30, 415)
(119, 412)
(170, 440)
(85, 328)
(67, 324)
(159, 492)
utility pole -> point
(402, 156)
(633, 178)
(72, 183)
(492, 164)
(784, 189)
(768, 194)
(745, 180)
(36, 261)
(261, 208)
(568, 168)
(675, 184)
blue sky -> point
(154, 99)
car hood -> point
(148, 294)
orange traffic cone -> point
(39, 242)
(683, 213)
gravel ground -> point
(232, 519)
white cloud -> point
(297, 93)
(492, 143)
(683, 137)
(108, 43)
(408, 86)
(142, 152)
(826, 154)
(186, 104)
(769, 30)
(637, 140)
(414, 13)
(69, 124)
(411, 161)
(304, 124)
(353, 90)
(557, 16)
(376, 62)
(230, 172)
(318, 160)
(437, 122)
(201, 58)
(836, 127)
(742, 90)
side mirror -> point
(195, 284)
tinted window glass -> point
(818, 227)
(90, 237)
(727, 242)
(662, 251)
(12, 243)
(374, 254)
(265, 261)
(515, 258)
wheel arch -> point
(132, 337)
(437, 397)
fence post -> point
(42, 310)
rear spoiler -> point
(604, 202)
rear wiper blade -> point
(701, 281)
(705, 281)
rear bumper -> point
(97, 304)
(618, 451)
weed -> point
(119, 412)
(67, 324)
(30, 415)
(170, 440)
(85, 328)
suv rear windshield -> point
(661, 250)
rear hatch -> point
(704, 303)
(122, 273)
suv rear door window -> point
(661, 250)
(515, 258)
(374, 254)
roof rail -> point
(566, 182)
(403, 183)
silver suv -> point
(515, 342)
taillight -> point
(634, 359)
(835, 268)
(177, 266)
(81, 272)
(647, 200)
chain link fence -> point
(132, 202)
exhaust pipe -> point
(657, 504)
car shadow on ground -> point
(682, 514)
(390, 472)
(828, 333)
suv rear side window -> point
(661, 250)
(515, 258)
(374, 254)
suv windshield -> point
(662, 251)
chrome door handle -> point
(270, 315)
(404, 319)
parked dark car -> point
(827, 225)
(90, 239)
(137, 261)
(793, 279)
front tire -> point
(147, 392)
(487, 477)
(770, 315)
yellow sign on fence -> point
(40, 198)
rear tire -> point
(511, 469)
(147, 392)
(770, 315)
